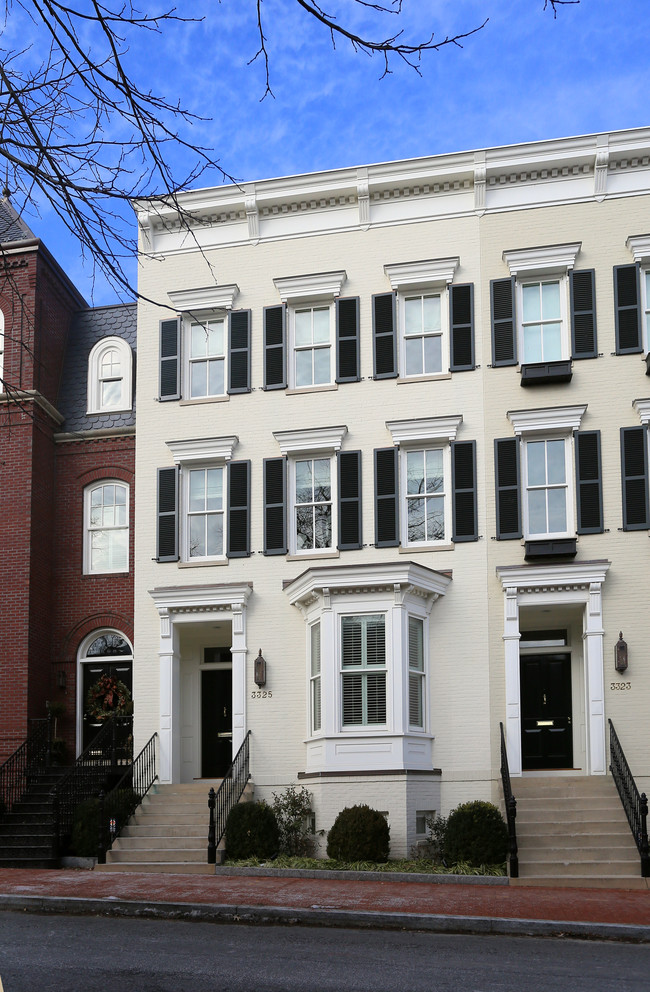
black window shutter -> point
(347, 340)
(239, 351)
(349, 477)
(170, 359)
(583, 314)
(386, 498)
(384, 336)
(275, 498)
(626, 304)
(589, 482)
(504, 331)
(239, 517)
(506, 463)
(167, 531)
(275, 357)
(462, 327)
(463, 481)
(634, 472)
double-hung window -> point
(207, 358)
(363, 670)
(632, 299)
(421, 316)
(425, 495)
(547, 509)
(543, 321)
(106, 511)
(312, 503)
(204, 503)
(312, 345)
(548, 479)
(416, 673)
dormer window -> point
(109, 376)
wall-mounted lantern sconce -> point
(61, 679)
(620, 654)
(260, 670)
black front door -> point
(546, 733)
(92, 671)
(216, 722)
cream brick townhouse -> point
(393, 439)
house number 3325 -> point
(261, 694)
(620, 685)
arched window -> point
(109, 376)
(106, 527)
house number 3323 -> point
(620, 685)
(261, 694)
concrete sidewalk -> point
(455, 905)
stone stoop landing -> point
(572, 830)
(168, 832)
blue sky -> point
(525, 76)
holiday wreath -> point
(108, 697)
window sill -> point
(551, 547)
(402, 380)
(107, 411)
(415, 549)
(300, 390)
(203, 563)
(546, 373)
(105, 575)
(198, 400)
(311, 555)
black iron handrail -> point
(110, 752)
(635, 804)
(30, 759)
(227, 795)
(121, 802)
(511, 807)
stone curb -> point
(316, 916)
(363, 876)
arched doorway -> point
(104, 652)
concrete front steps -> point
(572, 830)
(168, 832)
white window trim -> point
(201, 302)
(88, 490)
(398, 590)
(311, 304)
(429, 277)
(642, 407)
(189, 319)
(345, 610)
(201, 453)
(316, 289)
(548, 419)
(548, 263)
(310, 440)
(568, 486)
(291, 496)
(639, 245)
(404, 500)
(93, 402)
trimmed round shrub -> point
(252, 831)
(477, 834)
(359, 833)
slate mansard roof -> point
(12, 226)
(89, 327)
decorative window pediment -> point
(558, 418)
(205, 299)
(310, 440)
(429, 272)
(541, 261)
(205, 449)
(317, 285)
(424, 429)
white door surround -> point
(197, 604)
(577, 583)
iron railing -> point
(511, 808)
(30, 759)
(227, 795)
(108, 754)
(121, 802)
(635, 804)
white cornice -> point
(426, 429)
(642, 407)
(310, 439)
(550, 258)
(554, 418)
(203, 449)
(639, 245)
(208, 298)
(546, 577)
(395, 578)
(202, 598)
(404, 275)
(307, 287)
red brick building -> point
(67, 438)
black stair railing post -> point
(643, 845)
(512, 833)
(48, 752)
(101, 831)
(113, 752)
(212, 845)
